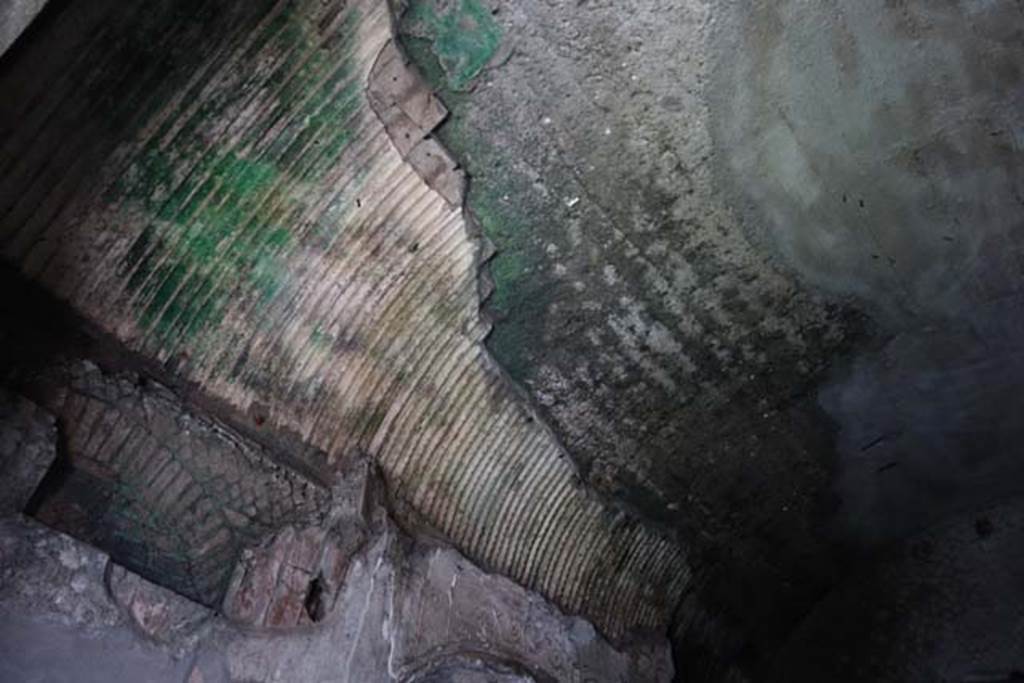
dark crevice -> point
(314, 605)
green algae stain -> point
(219, 241)
(505, 207)
(520, 298)
(320, 339)
(465, 36)
(224, 218)
(509, 267)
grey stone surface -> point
(28, 447)
(52, 577)
(37, 651)
(407, 611)
(60, 623)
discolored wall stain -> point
(222, 219)
(463, 35)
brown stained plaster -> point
(409, 111)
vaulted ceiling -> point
(695, 317)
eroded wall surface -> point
(758, 264)
(674, 358)
(209, 184)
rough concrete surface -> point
(759, 264)
(28, 447)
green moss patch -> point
(464, 36)
(225, 214)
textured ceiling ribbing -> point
(211, 185)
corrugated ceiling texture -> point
(208, 182)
